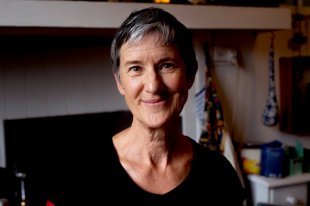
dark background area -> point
(46, 148)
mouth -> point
(155, 101)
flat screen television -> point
(41, 147)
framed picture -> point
(295, 94)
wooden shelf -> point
(109, 15)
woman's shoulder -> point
(202, 151)
(213, 168)
(210, 160)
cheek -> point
(177, 84)
(179, 87)
(131, 88)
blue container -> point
(272, 159)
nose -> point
(153, 80)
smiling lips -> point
(154, 101)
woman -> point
(152, 162)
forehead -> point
(147, 45)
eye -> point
(135, 69)
(167, 66)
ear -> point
(119, 84)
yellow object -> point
(251, 160)
(162, 1)
(251, 166)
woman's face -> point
(152, 78)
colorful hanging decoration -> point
(213, 128)
(214, 134)
(270, 113)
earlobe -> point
(119, 84)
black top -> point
(211, 181)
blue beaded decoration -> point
(270, 114)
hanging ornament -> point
(213, 128)
(270, 114)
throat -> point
(160, 175)
(161, 182)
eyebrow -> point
(166, 59)
(130, 62)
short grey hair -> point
(155, 20)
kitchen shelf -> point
(109, 15)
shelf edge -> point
(109, 15)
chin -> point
(155, 125)
(160, 122)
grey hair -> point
(155, 20)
